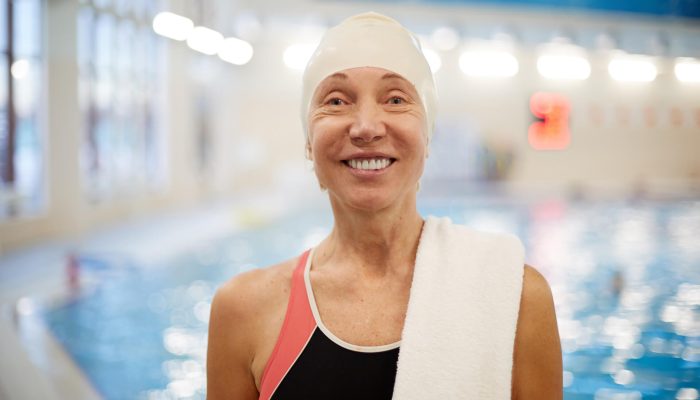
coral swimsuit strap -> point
(299, 324)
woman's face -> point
(367, 136)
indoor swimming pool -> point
(625, 278)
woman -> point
(329, 324)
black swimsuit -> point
(309, 362)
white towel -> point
(458, 337)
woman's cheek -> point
(320, 157)
(319, 170)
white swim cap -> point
(370, 40)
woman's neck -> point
(375, 244)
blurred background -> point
(151, 150)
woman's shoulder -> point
(536, 302)
(537, 361)
(247, 301)
(248, 291)
(535, 286)
(240, 311)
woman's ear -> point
(309, 155)
(427, 145)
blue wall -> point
(672, 8)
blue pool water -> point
(625, 278)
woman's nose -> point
(368, 125)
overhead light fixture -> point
(687, 70)
(20, 69)
(488, 63)
(445, 38)
(236, 51)
(296, 56)
(205, 40)
(563, 67)
(629, 68)
(172, 26)
(562, 60)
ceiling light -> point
(632, 69)
(236, 51)
(687, 70)
(488, 63)
(205, 40)
(563, 67)
(445, 38)
(20, 69)
(172, 26)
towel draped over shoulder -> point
(459, 333)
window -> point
(121, 70)
(22, 156)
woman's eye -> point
(335, 102)
(396, 100)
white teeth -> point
(370, 164)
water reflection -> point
(687, 394)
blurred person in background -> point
(368, 110)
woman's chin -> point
(368, 200)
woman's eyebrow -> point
(329, 81)
(338, 75)
(392, 75)
(403, 84)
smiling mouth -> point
(369, 164)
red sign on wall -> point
(550, 131)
